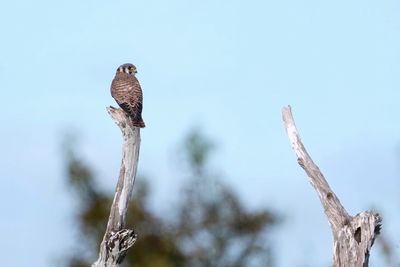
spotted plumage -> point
(126, 90)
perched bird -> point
(126, 90)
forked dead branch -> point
(353, 236)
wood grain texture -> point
(353, 236)
(117, 240)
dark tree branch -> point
(353, 236)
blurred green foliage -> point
(210, 227)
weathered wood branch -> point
(117, 240)
(353, 236)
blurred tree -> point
(156, 248)
(211, 227)
(214, 228)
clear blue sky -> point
(227, 66)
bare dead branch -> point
(353, 236)
(117, 240)
(334, 210)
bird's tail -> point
(138, 122)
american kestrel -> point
(126, 90)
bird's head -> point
(127, 68)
